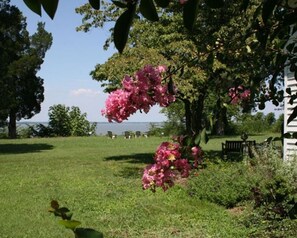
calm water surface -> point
(116, 128)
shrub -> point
(276, 188)
(274, 196)
(225, 184)
(24, 132)
(65, 121)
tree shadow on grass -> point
(23, 148)
(136, 171)
(87, 233)
(131, 172)
(141, 158)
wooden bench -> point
(237, 147)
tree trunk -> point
(197, 114)
(188, 115)
(221, 120)
(194, 115)
(12, 134)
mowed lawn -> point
(99, 180)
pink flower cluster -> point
(138, 92)
(168, 164)
(239, 94)
(197, 154)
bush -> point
(24, 132)
(276, 188)
(155, 130)
(274, 196)
(225, 184)
(4, 132)
(64, 121)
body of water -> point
(120, 128)
(116, 128)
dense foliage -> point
(64, 121)
(21, 55)
(264, 188)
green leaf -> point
(70, 224)
(120, 4)
(293, 115)
(34, 6)
(54, 204)
(287, 135)
(268, 7)
(122, 27)
(95, 4)
(294, 135)
(244, 5)
(50, 7)
(277, 139)
(204, 136)
(261, 106)
(290, 47)
(148, 10)
(215, 3)
(87, 233)
(162, 3)
(288, 91)
(197, 139)
(190, 13)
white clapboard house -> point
(290, 147)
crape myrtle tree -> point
(21, 91)
(212, 58)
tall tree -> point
(21, 92)
(216, 55)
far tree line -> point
(67, 121)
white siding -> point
(290, 147)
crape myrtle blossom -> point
(168, 165)
(193, 152)
(197, 154)
(139, 92)
(239, 94)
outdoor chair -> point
(127, 135)
(111, 135)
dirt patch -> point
(236, 211)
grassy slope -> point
(99, 179)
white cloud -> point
(84, 92)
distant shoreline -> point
(116, 128)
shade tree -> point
(212, 58)
(21, 58)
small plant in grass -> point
(68, 223)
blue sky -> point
(68, 63)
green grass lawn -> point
(99, 180)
